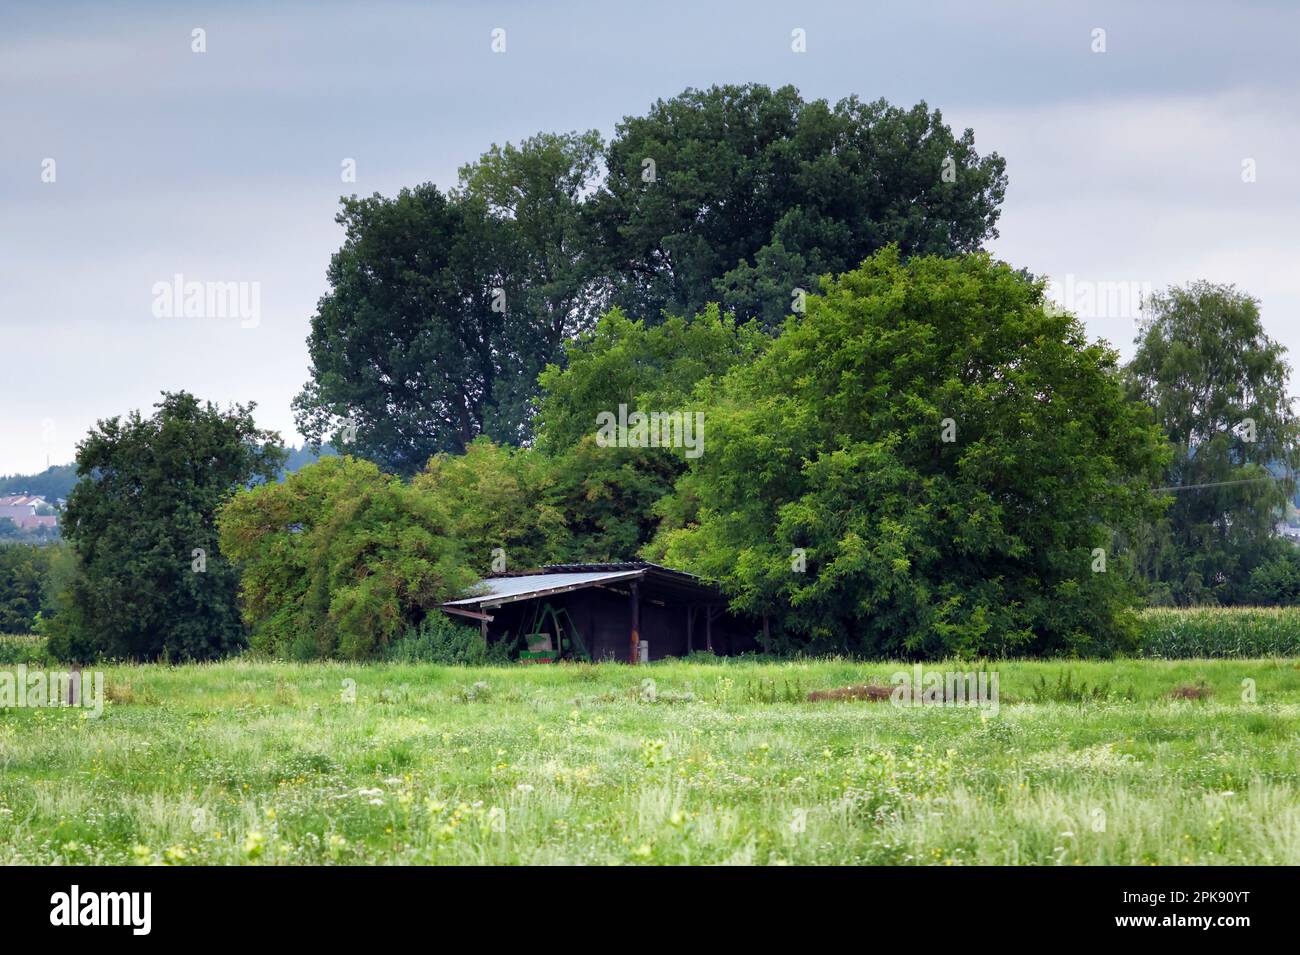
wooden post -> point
(708, 627)
(636, 621)
(690, 628)
(482, 628)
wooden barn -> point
(629, 611)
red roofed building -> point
(22, 508)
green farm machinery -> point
(552, 636)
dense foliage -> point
(928, 462)
(757, 192)
(339, 559)
(644, 365)
(147, 579)
(24, 569)
(1275, 580)
(610, 495)
(495, 499)
(444, 307)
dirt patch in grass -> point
(873, 692)
(1189, 692)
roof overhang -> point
(511, 589)
(537, 585)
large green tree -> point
(1218, 385)
(929, 462)
(443, 308)
(741, 194)
(141, 522)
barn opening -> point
(625, 611)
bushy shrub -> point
(439, 639)
(339, 560)
(492, 496)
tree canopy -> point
(740, 194)
(443, 308)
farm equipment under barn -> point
(561, 642)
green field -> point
(715, 762)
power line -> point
(1197, 487)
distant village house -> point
(23, 510)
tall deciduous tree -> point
(1218, 384)
(141, 521)
(741, 194)
(929, 462)
(443, 309)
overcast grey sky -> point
(1124, 166)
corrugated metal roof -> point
(506, 589)
(624, 565)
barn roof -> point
(561, 578)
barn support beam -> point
(636, 621)
(708, 627)
(690, 628)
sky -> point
(1167, 157)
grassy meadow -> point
(1147, 762)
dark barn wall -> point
(603, 617)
